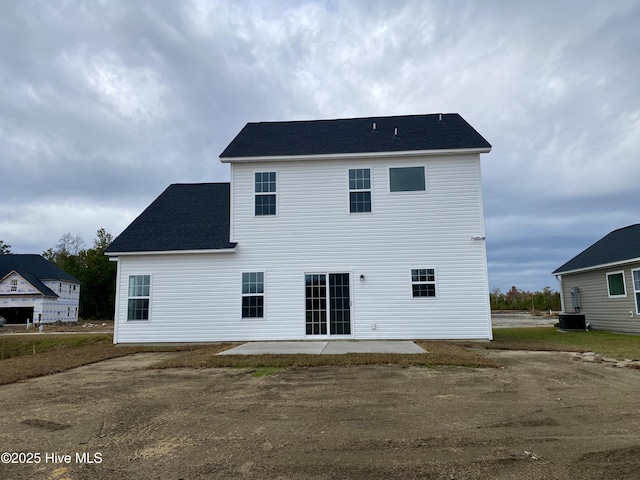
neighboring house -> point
(603, 282)
(365, 228)
(36, 290)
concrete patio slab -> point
(326, 347)
(372, 346)
(258, 348)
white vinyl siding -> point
(197, 297)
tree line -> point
(94, 270)
(516, 299)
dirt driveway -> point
(545, 416)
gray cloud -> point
(105, 103)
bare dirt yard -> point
(545, 415)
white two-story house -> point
(365, 228)
(35, 290)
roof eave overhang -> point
(597, 267)
(172, 252)
(346, 156)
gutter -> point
(341, 156)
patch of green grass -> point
(11, 347)
(550, 339)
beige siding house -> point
(603, 282)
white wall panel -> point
(196, 297)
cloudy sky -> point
(103, 104)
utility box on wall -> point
(575, 299)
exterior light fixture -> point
(362, 278)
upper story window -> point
(423, 282)
(359, 190)
(265, 193)
(14, 285)
(615, 284)
(407, 179)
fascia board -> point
(346, 156)
(598, 267)
(171, 252)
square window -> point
(407, 179)
(423, 282)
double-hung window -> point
(423, 282)
(14, 285)
(359, 190)
(615, 284)
(636, 288)
(253, 295)
(265, 193)
(139, 288)
(407, 179)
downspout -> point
(559, 279)
(117, 299)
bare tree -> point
(69, 244)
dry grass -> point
(439, 354)
(25, 357)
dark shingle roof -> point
(34, 269)
(183, 217)
(618, 246)
(355, 135)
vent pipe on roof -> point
(395, 132)
(373, 130)
(440, 119)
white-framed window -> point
(265, 193)
(616, 285)
(139, 295)
(359, 190)
(253, 295)
(14, 285)
(636, 288)
(60, 288)
(407, 179)
(423, 282)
